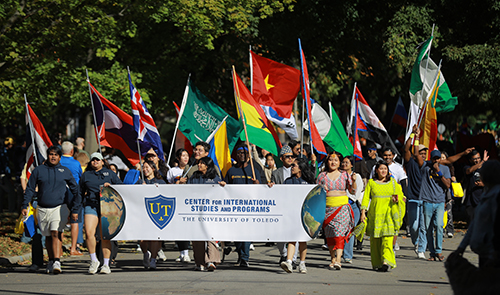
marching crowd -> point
(374, 195)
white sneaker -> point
(146, 259)
(56, 267)
(186, 259)
(152, 264)
(94, 265)
(252, 248)
(396, 247)
(421, 255)
(49, 268)
(211, 266)
(287, 266)
(302, 268)
(450, 235)
(324, 247)
(178, 259)
(105, 270)
(161, 255)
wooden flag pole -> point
(32, 130)
(237, 97)
(98, 133)
(137, 139)
(181, 111)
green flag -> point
(331, 130)
(200, 117)
(422, 77)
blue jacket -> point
(91, 181)
(52, 181)
(73, 165)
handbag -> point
(456, 190)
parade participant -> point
(301, 174)
(161, 166)
(270, 167)
(354, 200)
(150, 248)
(435, 181)
(242, 173)
(295, 147)
(385, 216)
(339, 217)
(278, 177)
(448, 227)
(173, 176)
(96, 174)
(200, 150)
(181, 161)
(206, 254)
(52, 213)
(473, 185)
(80, 144)
(73, 165)
(415, 212)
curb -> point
(16, 259)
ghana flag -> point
(259, 129)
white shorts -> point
(52, 219)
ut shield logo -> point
(160, 209)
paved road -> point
(412, 276)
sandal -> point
(337, 266)
(432, 258)
(439, 257)
(331, 266)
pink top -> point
(339, 184)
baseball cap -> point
(96, 156)
(435, 153)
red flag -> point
(316, 140)
(38, 144)
(181, 140)
(274, 84)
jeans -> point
(243, 250)
(433, 218)
(416, 222)
(348, 248)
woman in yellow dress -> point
(385, 216)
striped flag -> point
(144, 124)
(37, 140)
(219, 149)
(428, 121)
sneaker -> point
(211, 266)
(396, 247)
(199, 268)
(282, 258)
(33, 268)
(287, 266)
(105, 270)
(178, 259)
(94, 265)
(302, 268)
(152, 264)
(252, 248)
(324, 247)
(186, 259)
(146, 257)
(347, 260)
(244, 263)
(421, 255)
(56, 267)
(450, 235)
(384, 268)
(161, 255)
(49, 267)
(416, 249)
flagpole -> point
(137, 139)
(302, 126)
(243, 120)
(419, 121)
(98, 134)
(355, 131)
(31, 129)
(251, 68)
(181, 111)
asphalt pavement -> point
(264, 276)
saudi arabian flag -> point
(199, 117)
(332, 131)
(422, 77)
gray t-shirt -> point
(433, 190)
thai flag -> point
(115, 128)
(144, 124)
(316, 140)
(37, 140)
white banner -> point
(254, 213)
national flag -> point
(199, 117)
(219, 149)
(428, 122)
(115, 128)
(37, 140)
(364, 123)
(422, 75)
(274, 84)
(400, 117)
(260, 131)
(412, 119)
(181, 141)
(144, 124)
(316, 140)
(287, 124)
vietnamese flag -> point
(274, 84)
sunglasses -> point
(96, 159)
(294, 165)
(289, 157)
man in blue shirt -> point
(74, 166)
(436, 180)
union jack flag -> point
(144, 124)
